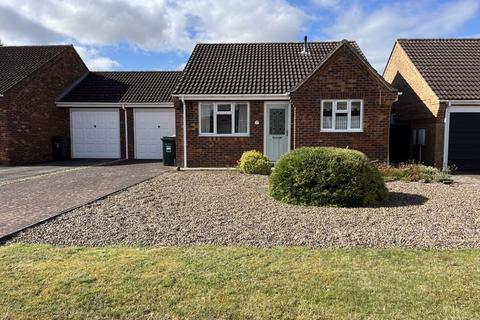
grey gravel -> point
(228, 208)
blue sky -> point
(160, 34)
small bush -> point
(327, 177)
(254, 162)
(412, 172)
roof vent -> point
(305, 51)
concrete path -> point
(28, 201)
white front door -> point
(95, 133)
(150, 126)
(277, 125)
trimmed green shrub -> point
(254, 162)
(327, 177)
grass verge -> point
(45, 282)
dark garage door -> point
(464, 141)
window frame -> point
(334, 103)
(216, 112)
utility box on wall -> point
(418, 141)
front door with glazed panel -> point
(277, 130)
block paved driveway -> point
(24, 202)
(9, 174)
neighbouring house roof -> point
(451, 67)
(254, 68)
(125, 87)
(19, 62)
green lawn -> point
(45, 282)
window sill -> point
(341, 131)
(223, 135)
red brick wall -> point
(344, 76)
(216, 151)
(4, 133)
(30, 116)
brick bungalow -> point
(440, 101)
(275, 97)
(31, 77)
(120, 114)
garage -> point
(464, 139)
(95, 133)
(150, 126)
(121, 114)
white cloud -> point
(16, 29)
(157, 25)
(95, 61)
(377, 31)
(167, 25)
(243, 21)
(330, 4)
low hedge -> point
(411, 172)
(254, 162)
(327, 176)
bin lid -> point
(169, 138)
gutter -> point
(460, 102)
(114, 104)
(184, 133)
(281, 96)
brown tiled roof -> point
(450, 66)
(19, 62)
(251, 68)
(125, 87)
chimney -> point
(305, 51)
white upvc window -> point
(341, 115)
(224, 118)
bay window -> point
(224, 118)
(342, 115)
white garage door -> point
(150, 126)
(95, 133)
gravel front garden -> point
(229, 208)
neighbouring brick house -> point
(275, 97)
(440, 101)
(31, 77)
